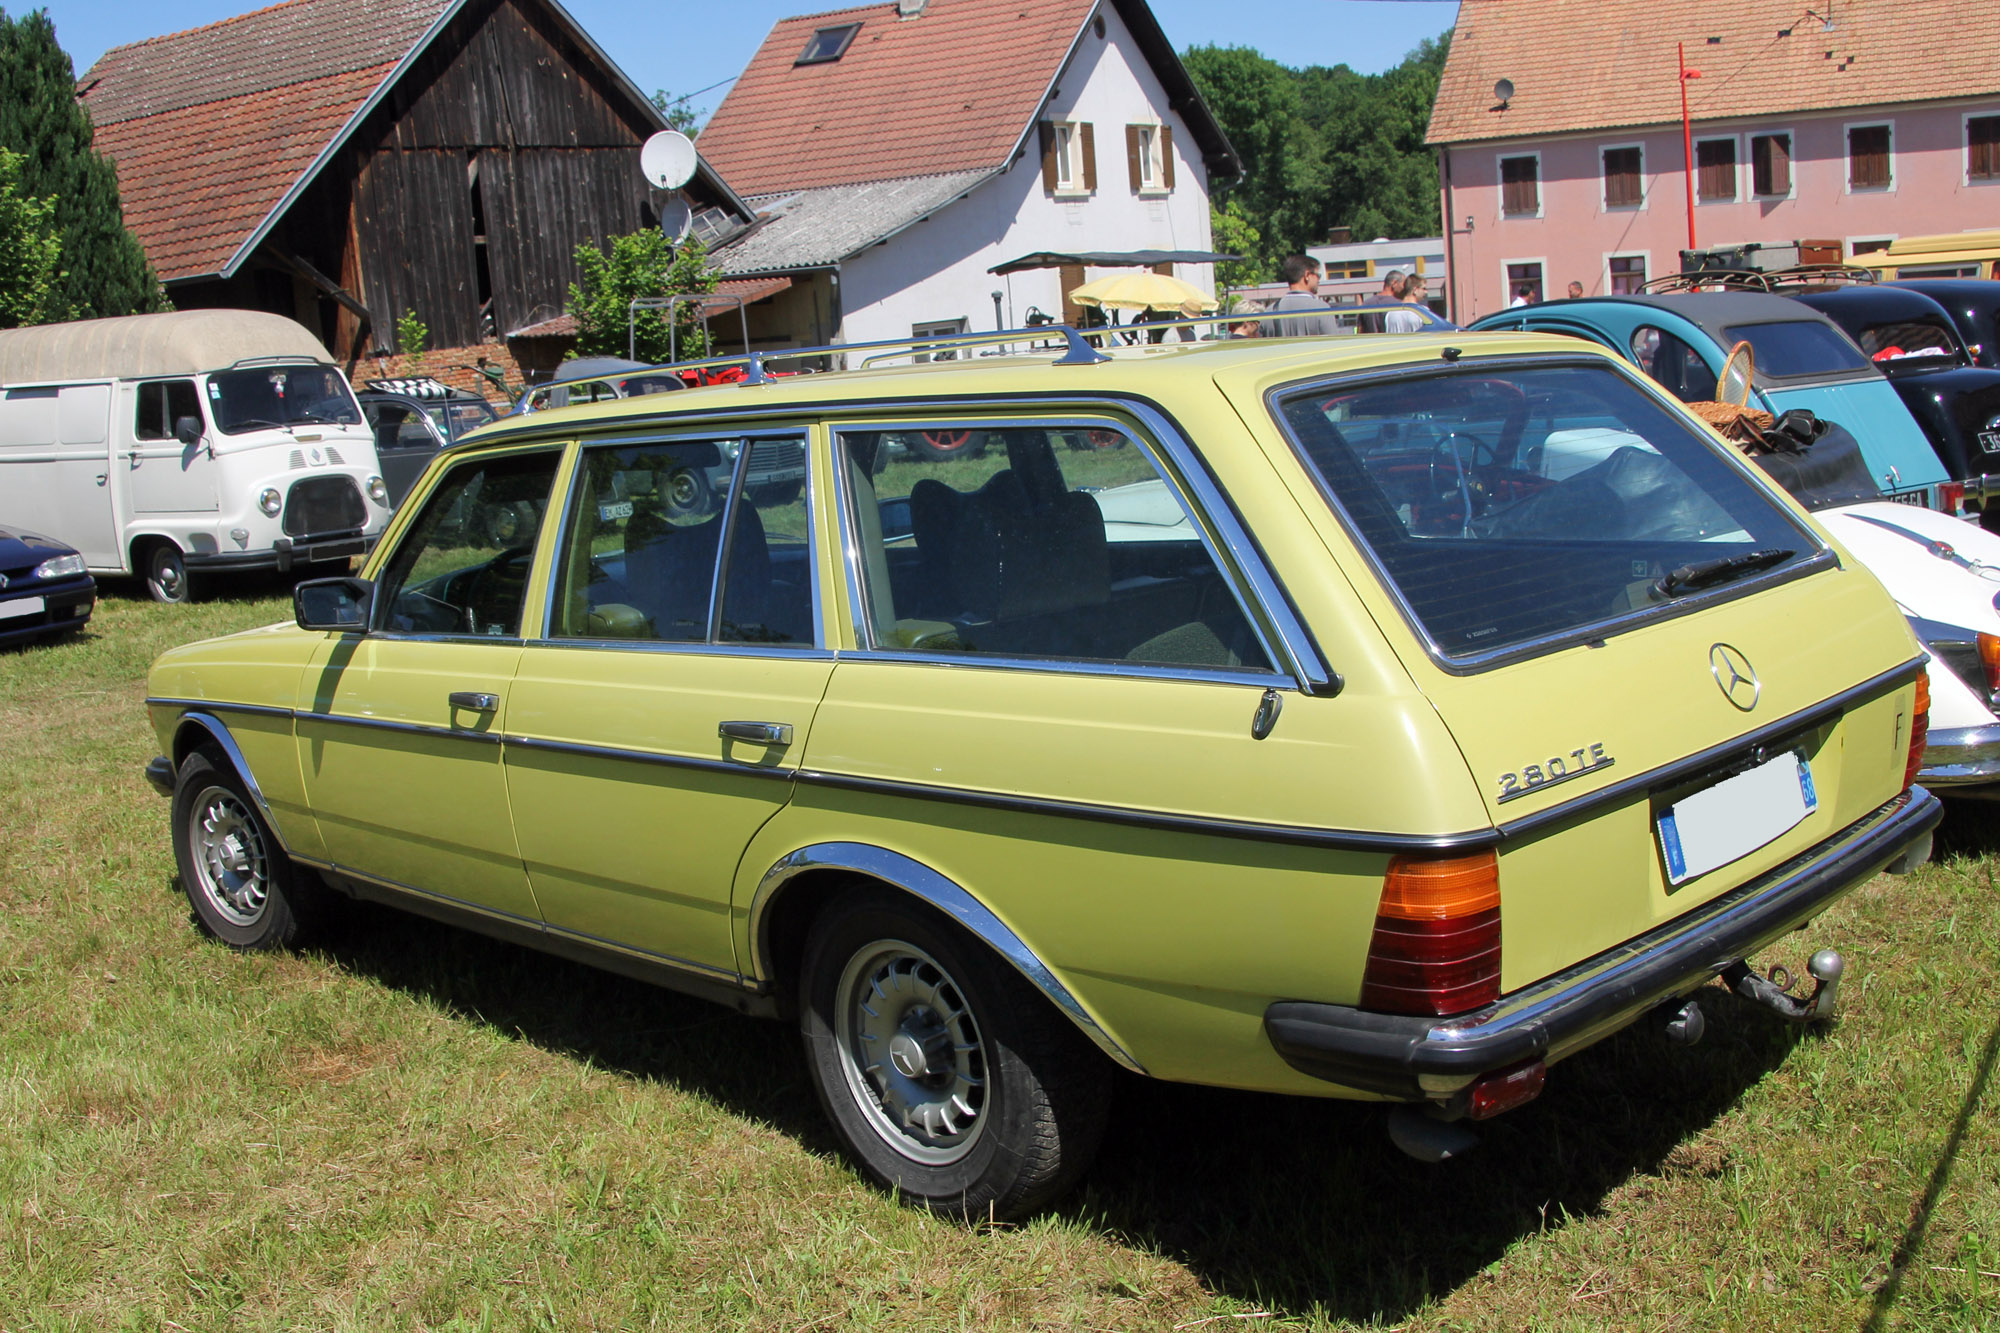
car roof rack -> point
(1797, 277)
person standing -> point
(1302, 293)
(1407, 320)
(1575, 290)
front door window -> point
(462, 567)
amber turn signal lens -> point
(1920, 726)
(1436, 945)
(1989, 657)
(1422, 889)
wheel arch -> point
(196, 729)
(792, 892)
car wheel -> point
(244, 890)
(687, 493)
(944, 446)
(166, 573)
(948, 1077)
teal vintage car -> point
(1803, 360)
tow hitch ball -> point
(1775, 991)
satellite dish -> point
(668, 159)
(1503, 91)
(675, 219)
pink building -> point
(1560, 150)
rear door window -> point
(1674, 365)
(1509, 510)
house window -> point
(1069, 157)
(1771, 164)
(1624, 185)
(1715, 170)
(1520, 186)
(943, 328)
(1982, 148)
(1868, 164)
(1524, 283)
(1346, 268)
(828, 44)
(1627, 273)
(1149, 157)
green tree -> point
(680, 116)
(104, 270)
(29, 252)
(1232, 233)
(640, 265)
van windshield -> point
(1509, 510)
(273, 396)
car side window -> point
(1673, 364)
(652, 536)
(161, 404)
(462, 567)
(1037, 541)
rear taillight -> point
(1989, 658)
(1920, 725)
(1951, 497)
(1436, 948)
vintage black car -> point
(1974, 306)
(1919, 348)
(413, 418)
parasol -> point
(1143, 290)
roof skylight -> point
(828, 44)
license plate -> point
(1989, 440)
(1921, 499)
(21, 606)
(1735, 817)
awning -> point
(1113, 259)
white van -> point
(170, 446)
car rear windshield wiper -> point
(1703, 573)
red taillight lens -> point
(1436, 948)
(1920, 725)
(1505, 1089)
(1951, 497)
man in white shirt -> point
(1302, 293)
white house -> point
(898, 154)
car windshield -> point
(1911, 345)
(1508, 512)
(1798, 347)
(272, 396)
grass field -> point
(413, 1128)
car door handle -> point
(475, 700)
(760, 733)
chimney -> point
(909, 9)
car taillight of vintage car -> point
(1920, 726)
(1436, 946)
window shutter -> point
(1771, 164)
(1167, 156)
(1982, 142)
(1622, 185)
(1048, 130)
(1518, 193)
(1868, 157)
(1715, 167)
(1089, 145)
(1133, 166)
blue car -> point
(44, 588)
(1803, 360)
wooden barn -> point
(347, 161)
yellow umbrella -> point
(1142, 289)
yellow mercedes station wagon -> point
(1385, 718)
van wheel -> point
(166, 573)
(947, 1076)
(244, 890)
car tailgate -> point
(1580, 750)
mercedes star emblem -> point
(1734, 675)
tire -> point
(244, 890)
(165, 571)
(687, 494)
(945, 446)
(989, 1103)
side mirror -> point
(187, 430)
(340, 605)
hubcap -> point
(912, 1052)
(168, 576)
(229, 861)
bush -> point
(640, 265)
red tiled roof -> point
(1579, 65)
(195, 182)
(949, 90)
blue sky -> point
(683, 47)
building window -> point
(1771, 164)
(1715, 170)
(1346, 268)
(1982, 148)
(1069, 157)
(1520, 186)
(942, 328)
(828, 44)
(1868, 163)
(1627, 273)
(1524, 283)
(1149, 157)
(1624, 183)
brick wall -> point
(456, 366)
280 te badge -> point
(1557, 768)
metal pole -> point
(1687, 138)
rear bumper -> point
(285, 553)
(1415, 1057)
(1962, 757)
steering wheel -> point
(1461, 483)
(498, 580)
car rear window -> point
(1908, 344)
(1511, 510)
(1798, 347)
